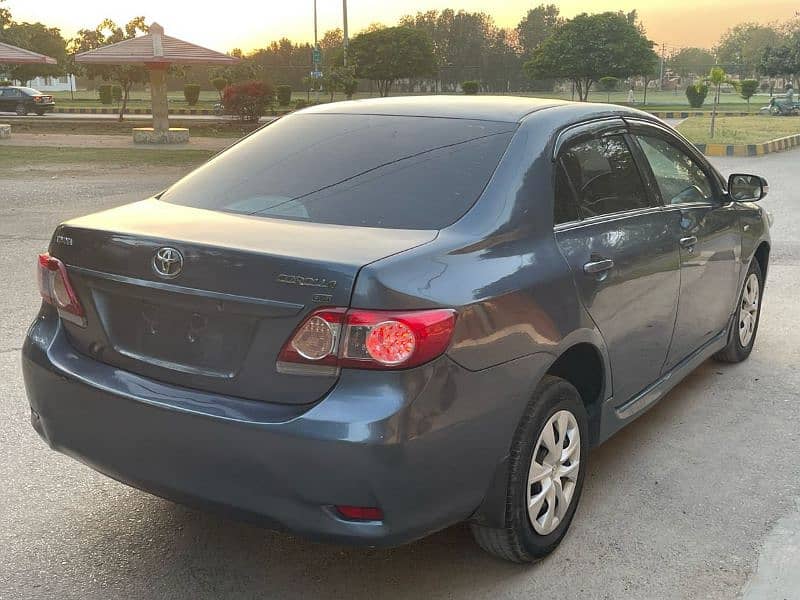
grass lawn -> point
(197, 128)
(24, 156)
(739, 130)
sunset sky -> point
(248, 24)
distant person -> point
(790, 93)
(631, 97)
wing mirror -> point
(747, 188)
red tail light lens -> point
(55, 288)
(361, 513)
(369, 340)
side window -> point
(564, 207)
(679, 178)
(604, 176)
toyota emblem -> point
(167, 263)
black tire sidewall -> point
(553, 395)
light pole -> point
(344, 30)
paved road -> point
(696, 499)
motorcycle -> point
(781, 107)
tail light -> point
(332, 338)
(55, 288)
(38, 99)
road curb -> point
(130, 111)
(778, 145)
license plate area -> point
(181, 337)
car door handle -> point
(689, 242)
(598, 266)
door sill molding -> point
(653, 393)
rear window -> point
(364, 170)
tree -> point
(219, 83)
(106, 33)
(38, 38)
(608, 85)
(716, 78)
(691, 61)
(650, 70)
(5, 19)
(537, 26)
(339, 79)
(589, 47)
(747, 89)
(781, 61)
(392, 53)
(742, 47)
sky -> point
(250, 24)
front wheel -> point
(745, 325)
(546, 472)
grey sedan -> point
(371, 320)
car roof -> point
(482, 108)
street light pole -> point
(344, 29)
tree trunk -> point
(126, 88)
(714, 110)
(646, 83)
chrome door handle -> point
(689, 242)
(598, 266)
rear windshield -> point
(364, 170)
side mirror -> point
(747, 188)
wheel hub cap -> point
(748, 311)
(553, 473)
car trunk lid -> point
(244, 285)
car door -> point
(621, 249)
(5, 100)
(709, 236)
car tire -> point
(39, 113)
(556, 405)
(21, 110)
(744, 326)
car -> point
(24, 100)
(372, 320)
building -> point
(63, 83)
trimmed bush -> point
(300, 103)
(191, 92)
(106, 95)
(5, 82)
(284, 94)
(248, 100)
(219, 83)
(696, 94)
(470, 88)
(116, 93)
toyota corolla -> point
(371, 320)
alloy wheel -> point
(748, 311)
(553, 473)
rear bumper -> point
(423, 445)
(42, 107)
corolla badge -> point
(304, 281)
(167, 262)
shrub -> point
(219, 83)
(300, 103)
(471, 88)
(191, 92)
(5, 82)
(284, 94)
(696, 94)
(116, 93)
(248, 100)
(106, 95)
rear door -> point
(708, 234)
(622, 251)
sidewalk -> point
(69, 140)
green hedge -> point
(106, 94)
(471, 88)
(191, 92)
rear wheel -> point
(547, 469)
(745, 325)
(40, 113)
(21, 109)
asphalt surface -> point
(698, 498)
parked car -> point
(430, 318)
(24, 100)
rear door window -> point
(604, 176)
(345, 169)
